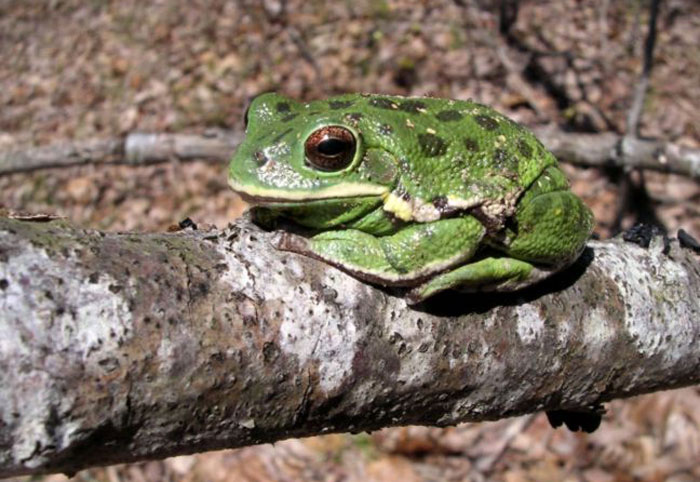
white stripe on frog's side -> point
(398, 207)
(425, 212)
(414, 209)
(463, 204)
(492, 213)
(344, 190)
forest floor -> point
(74, 69)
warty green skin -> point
(440, 193)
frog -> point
(422, 193)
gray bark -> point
(116, 347)
(139, 148)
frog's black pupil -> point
(333, 147)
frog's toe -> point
(415, 296)
(285, 241)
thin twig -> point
(515, 427)
(634, 116)
(635, 113)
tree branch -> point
(117, 347)
(609, 149)
(140, 148)
(134, 149)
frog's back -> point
(453, 155)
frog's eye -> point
(330, 148)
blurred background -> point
(80, 70)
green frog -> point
(426, 193)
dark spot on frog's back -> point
(524, 148)
(471, 144)
(504, 159)
(487, 122)
(339, 104)
(412, 106)
(385, 129)
(440, 202)
(442, 205)
(449, 115)
(283, 107)
(382, 103)
(354, 116)
(432, 145)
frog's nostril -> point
(260, 158)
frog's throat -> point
(261, 195)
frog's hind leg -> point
(549, 231)
(551, 224)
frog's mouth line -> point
(267, 197)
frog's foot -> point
(488, 274)
(585, 419)
(354, 252)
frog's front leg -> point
(405, 258)
(487, 274)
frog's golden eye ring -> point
(330, 148)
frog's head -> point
(310, 162)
